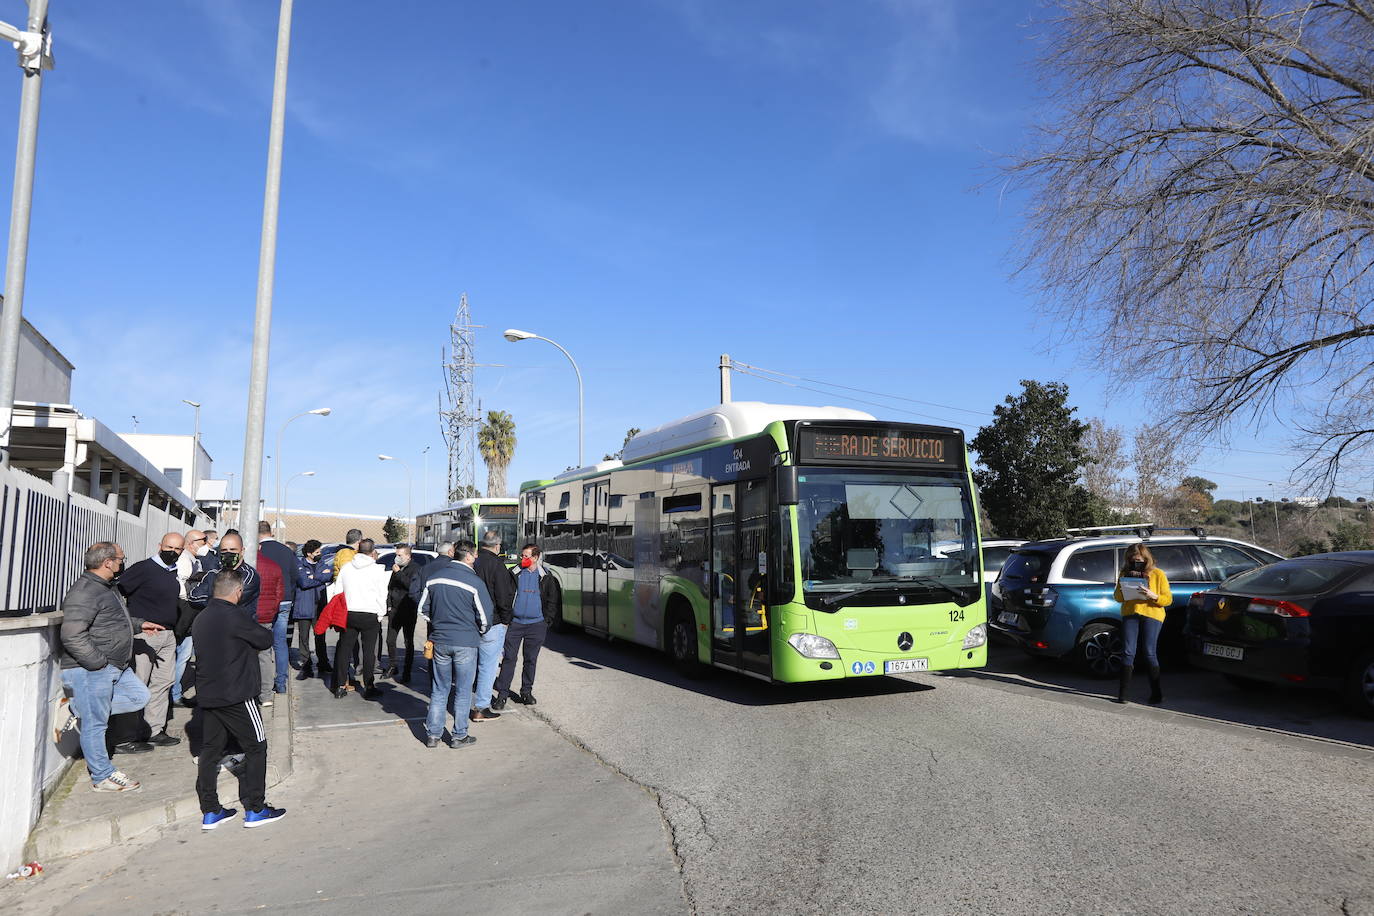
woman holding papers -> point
(1143, 590)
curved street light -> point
(410, 521)
(515, 335)
(317, 412)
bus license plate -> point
(1230, 652)
(903, 665)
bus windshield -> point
(909, 532)
(507, 529)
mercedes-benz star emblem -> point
(904, 642)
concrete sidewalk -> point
(79, 820)
(521, 821)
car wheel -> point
(1248, 683)
(1359, 693)
(1098, 652)
(682, 642)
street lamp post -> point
(317, 412)
(35, 56)
(255, 427)
(514, 335)
(286, 489)
(410, 520)
(195, 448)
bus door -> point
(595, 547)
(751, 591)
(724, 558)
(739, 567)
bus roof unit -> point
(724, 422)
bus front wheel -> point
(682, 642)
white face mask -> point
(203, 550)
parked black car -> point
(1306, 621)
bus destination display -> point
(500, 511)
(879, 446)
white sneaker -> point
(116, 782)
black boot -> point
(1125, 685)
(1156, 694)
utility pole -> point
(35, 56)
(250, 504)
(725, 378)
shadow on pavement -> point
(593, 653)
(1205, 694)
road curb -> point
(47, 843)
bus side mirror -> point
(786, 483)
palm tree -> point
(496, 442)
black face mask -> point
(168, 557)
(230, 560)
(1137, 566)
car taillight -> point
(1281, 608)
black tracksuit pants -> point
(244, 722)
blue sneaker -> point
(264, 815)
(215, 818)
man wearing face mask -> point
(209, 558)
(188, 565)
(153, 593)
(538, 603)
(230, 557)
(491, 569)
(97, 640)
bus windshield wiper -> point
(834, 601)
(960, 598)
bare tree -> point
(1203, 203)
(1106, 464)
(1159, 461)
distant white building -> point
(181, 460)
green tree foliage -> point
(1351, 536)
(1305, 547)
(1032, 459)
(629, 434)
(496, 442)
(394, 531)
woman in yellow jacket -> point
(1142, 617)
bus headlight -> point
(812, 646)
(976, 637)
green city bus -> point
(787, 543)
(469, 519)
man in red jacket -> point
(271, 589)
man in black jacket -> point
(538, 605)
(97, 638)
(227, 682)
(153, 592)
(491, 569)
(230, 557)
(400, 612)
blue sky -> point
(649, 183)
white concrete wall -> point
(44, 376)
(30, 763)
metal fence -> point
(44, 533)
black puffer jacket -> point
(96, 627)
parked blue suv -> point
(1056, 595)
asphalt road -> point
(1016, 789)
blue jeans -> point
(97, 695)
(450, 671)
(1133, 627)
(280, 624)
(488, 664)
(184, 652)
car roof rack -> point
(1144, 532)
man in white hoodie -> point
(364, 583)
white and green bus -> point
(788, 543)
(469, 519)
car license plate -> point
(1230, 652)
(902, 665)
(1010, 619)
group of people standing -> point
(196, 615)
